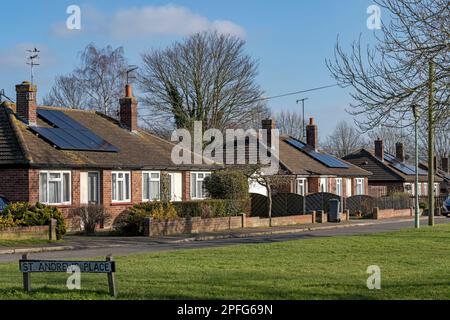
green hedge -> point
(130, 222)
(227, 184)
(26, 215)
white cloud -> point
(166, 20)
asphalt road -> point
(134, 247)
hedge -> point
(130, 222)
(25, 214)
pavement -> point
(89, 247)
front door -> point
(90, 187)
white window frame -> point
(61, 172)
(425, 189)
(436, 189)
(419, 191)
(304, 183)
(117, 189)
(339, 182)
(360, 182)
(205, 173)
(323, 182)
(150, 179)
(97, 186)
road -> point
(134, 246)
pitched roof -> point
(386, 170)
(137, 150)
(300, 162)
(10, 150)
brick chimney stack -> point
(128, 110)
(268, 125)
(312, 134)
(400, 152)
(379, 149)
(26, 102)
(444, 164)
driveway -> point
(103, 246)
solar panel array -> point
(403, 167)
(68, 134)
(326, 159)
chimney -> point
(444, 164)
(268, 125)
(128, 110)
(379, 149)
(26, 102)
(399, 152)
(312, 134)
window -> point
(121, 185)
(360, 186)
(302, 186)
(409, 188)
(425, 189)
(348, 186)
(55, 187)
(197, 188)
(419, 187)
(151, 186)
(339, 186)
(323, 187)
(436, 189)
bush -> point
(131, 221)
(26, 214)
(8, 222)
(227, 184)
(88, 217)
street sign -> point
(27, 267)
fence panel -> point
(361, 203)
(319, 201)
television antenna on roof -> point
(129, 73)
(2, 94)
(32, 57)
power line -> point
(288, 94)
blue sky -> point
(290, 39)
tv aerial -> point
(129, 72)
(3, 95)
(33, 56)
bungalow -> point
(314, 171)
(390, 173)
(442, 172)
(67, 158)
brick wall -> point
(14, 184)
(313, 185)
(256, 222)
(391, 213)
(186, 180)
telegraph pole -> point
(430, 145)
(416, 181)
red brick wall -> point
(186, 181)
(313, 185)
(14, 184)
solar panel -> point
(59, 119)
(403, 167)
(326, 159)
(69, 134)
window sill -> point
(116, 204)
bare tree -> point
(441, 141)
(344, 139)
(66, 92)
(207, 77)
(290, 123)
(391, 136)
(409, 65)
(97, 83)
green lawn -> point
(414, 265)
(23, 243)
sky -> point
(290, 40)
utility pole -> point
(303, 117)
(415, 108)
(430, 144)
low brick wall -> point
(198, 225)
(391, 213)
(24, 233)
(191, 225)
(256, 222)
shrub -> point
(131, 221)
(88, 217)
(8, 222)
(227, 184)
(27, 214)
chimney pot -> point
(128, 91)
(26, 102)
(268, 125)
